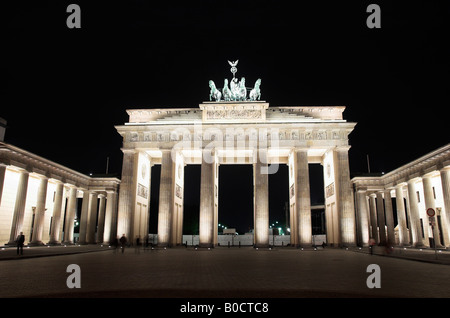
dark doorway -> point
(191, 204)
(236, 197)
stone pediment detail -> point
(236, 112)
(248, 111)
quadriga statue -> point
(255, 93)
(214, 92)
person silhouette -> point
(20, 240)
(123, 242)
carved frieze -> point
(233, 114)
(142, 191)
(179, 191)
(329, 190)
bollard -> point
(228, 244)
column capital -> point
(444, 169)
(430, 174)
(128, 151)
(414, 180)
(39, 176)
(23, 170)
(342, 148)
(57, 181)
(300, 149)
(361, 189)
(400, 185)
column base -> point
(206, 245)
(347, 245)
(68, 243)
(36, 243)
(54, 243)
(304, 245)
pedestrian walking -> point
(20, 240)
(123, 242)
(371, 245)
(146, 242)
(115, 244)
(138, 244)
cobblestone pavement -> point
(220, 272)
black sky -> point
(63, 90)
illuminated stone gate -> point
(236, 132)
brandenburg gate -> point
(239, 132)
(233, 128)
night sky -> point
(63, 90)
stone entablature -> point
(245, 111)
(165, 133)
(21, 159)
(237, 125)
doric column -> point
(70, 216)
(19, 207)
(363, 219)
(430, 203)
(84, 217)
(36, 238)
(415, 219)
(108, 234)
(101, 218)
(2, 179)
(206, 227)
(380, 218)
(344, 193)
(92, 220)
(166, 199)
(126, 194)
(57, 209)
(445, 180)
(303, 198)
(403, 235)
(373, 217)
(389, 211)
(261, 199)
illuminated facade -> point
(409, 191)
(236, 132)
(39, 198)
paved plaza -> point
(222, 272)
